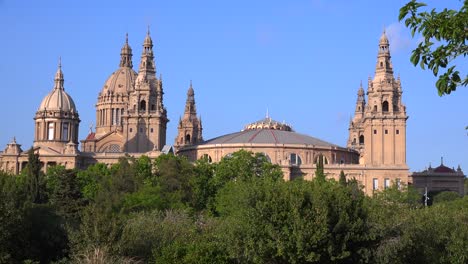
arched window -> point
(143, 105)
(207, 158)
(187, 139)
(361, 139)
(295, 159)
(375, 108)
(354, 141)
(381, 64)
(325, 160)
(385, 106)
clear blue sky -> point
(303, 60)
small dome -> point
(121, 81)
(268, 123)
(58, 100)
(148, 41)
(383, 39)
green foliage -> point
(292, 222)
(90, 178)
(319, 173)
(342, 179)
(445, 38)
(236, 211)
(203, 189)
(35, 179)
(445, 197)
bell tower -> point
(356, 125)
(146, 121)
(190, 126)
(384, 117)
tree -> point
(300, 221)
(445, 34)
(342, 180)
(35, 178)
(319, 173)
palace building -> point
(131, 120)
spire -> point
(360, 101)
(441, 160)
(384, 66)
(267, 114)
(147, 65)
(126, 54)
(190, 109)
(59, 76)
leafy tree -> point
(300, 221)
(13, 195)
(445, 35)
(342, 179)
(319, 173)
(35, 178)
(445, 197)
(89, 179)
(65, 194)
(203, 189)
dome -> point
(268, 123)
(268, 136)
(121, 81)
(383, 39)
(58, 100)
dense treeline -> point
(236, 211)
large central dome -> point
(120, 82)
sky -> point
(301, 60)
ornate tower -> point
(356, 126)
(383, 122)
(57, 120)
(146, 120)
(190, 126)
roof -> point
(268, 136)
(444, 169)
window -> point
(361, 139)
(153, 107)
(387, 183)
(375, 108)
(131, 130)
(151, 130)
(354, 141)
(65, 131)
(385, 106)
(375, 131)
(113, 148)
(397, 131)
(325, 160)
(386, 131)
(295, 159)
(207, 158)
(187, 139)
(375, 184)
(143, 105)
(50, 134)
(141, 130)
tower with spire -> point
(190, 126)
(378, 128)
(146, 119)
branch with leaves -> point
(445, 35)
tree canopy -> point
(445, 35)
